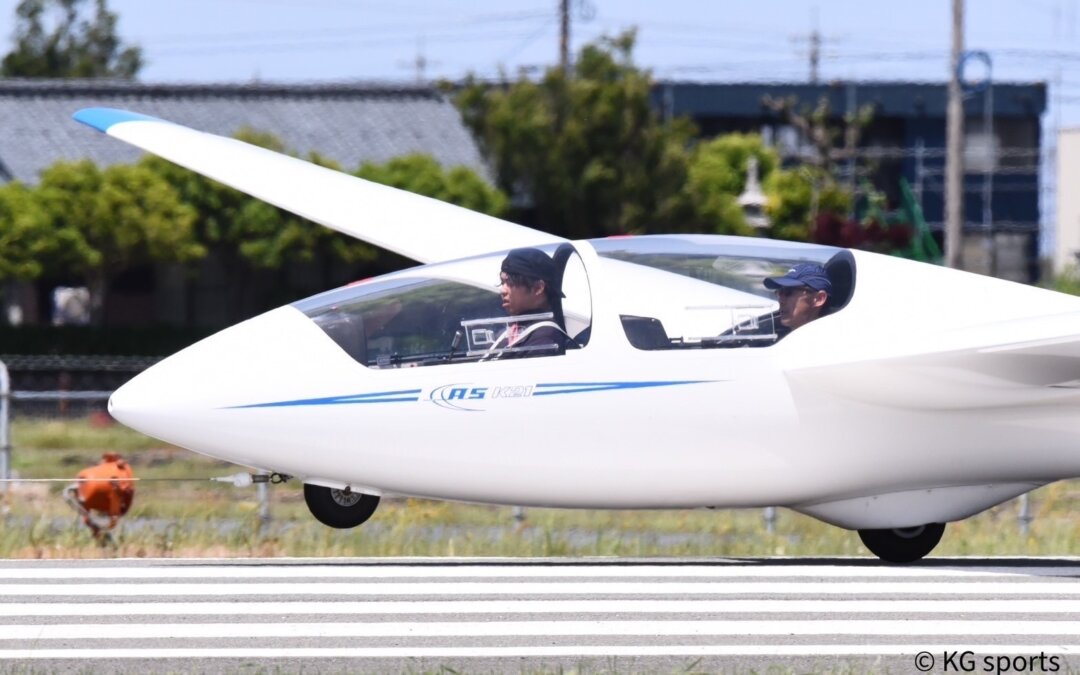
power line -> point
(529, 40)
(322, 44)
(479, 21)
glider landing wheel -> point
(903, 545)
(338, 508)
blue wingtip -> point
(103, 118)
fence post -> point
(263, 491)
(1024, 518)
(5, 437)
(770, 519)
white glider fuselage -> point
(898, 409)
(924, 396)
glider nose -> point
(185, 399)
(120, 400)
(137, 400)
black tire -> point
(903, 545)
(338, 509)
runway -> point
(536, 616)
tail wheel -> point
(339, 508)
(903, 545)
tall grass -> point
(1067, 282)
(80, 434)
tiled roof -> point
(349, 123)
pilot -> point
(528, 285)
(803, 294)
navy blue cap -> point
(534, 264)
(811, 275)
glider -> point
(924, 395)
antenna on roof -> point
(420, 62)
(814, 39)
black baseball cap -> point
(811, 275)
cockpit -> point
(701, 291)
(447, 313)
(670, 292)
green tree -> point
(717, 176)
(110, 220)
(24, 234)
(423, 175)
(587, 148)
(835, 140)
(797, 196)
(271, 242)
(243, 233)
(249, 234)
(267, 237)
(77, 46)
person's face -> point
(800, 305)
(522, 299)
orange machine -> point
(106, 488)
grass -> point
(1067, 282)
(93, 434)
(203, 518)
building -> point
(347, 123)
(1067, 243)
(352, 123)
(906, 139)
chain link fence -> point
(67, 387)
(60, 387)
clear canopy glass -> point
(671, 292)
(447, 313)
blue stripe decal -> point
(554, 388)
(403, 396)
(413, 395)
(103, 118)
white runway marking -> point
(374, 617)
(487, 652)
(367, 571)
(1012, 607)
(533, 629)
(654, 587)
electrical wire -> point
(325, 45)
(531, 38)
(189, 40)
(236, 479)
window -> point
(440, 314)
(719, 297)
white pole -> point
(263, 490)
(770, 519)
(1024, 518)
(5, 436)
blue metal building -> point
(906, 138)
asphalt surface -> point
(539, 616)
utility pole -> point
(954, 147)
(564, 36)
(814, 41)
(421, 62)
